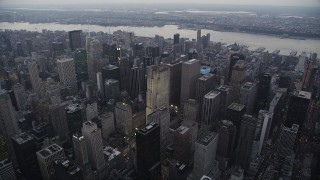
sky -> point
(311, 3)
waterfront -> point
(254, 41)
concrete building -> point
(137, 82)
(111, 89)
(66, 169)
(67, 72)
(158, 86)
(182, 144)
(248, 96)
(204, 84)
(191, 111)
(92, 111)
(36, 82)
(6, 170)
(210, 109)
(190, 73)
(123, 114)
(175, 82)
(58, 119)
(20, 95)
(287, 140)
(225, 99)
(205, 154)
(93, 138)
(94, 52)
(108, 125)
(238, 78)
(75, 39)
(46, 158)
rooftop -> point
(192, 61)
(206, 77)
(64, 60)
(212, 94)
(110, 67)
(206, 138)
(148, 128)
(69, 166)
(182, 129)
(73, 108)
(302, 94)
(78, 136)
(236, 106)
(50, 150)
(111, 153)
(111, 81)
(223, 88)
(248, 86)
(22, 138)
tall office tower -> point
(205, 84)
(263, 91)
(226, 143)
(238, 78)
(66, 169)
(125, 67)
(275, 109)
(75, 39)
(92, 111)
(153, 51)
(129, 39)
(246, 138)
(36, 82)
(94, 52)
(158, 84)
(247, 96)
(191, 111)
(46, 158)
(234, 56)
(148, 148)
(100, 85)
(67, 73)
(81, 154)
(123, 114)
(308, 70)
(225, 99)
(107, 121)
(175, 82)
(176, 38)
(298, 109)
(137, 82)
(190, 74)
(6, 170)
(111, 72)
(161, 117)
(111, 89)
(205, 154)
(182, 144)
(75, 117)
(199, 35)
(8, 121)
(29, 46)
(81, 66)
(210, 109)
(58, 119)
(93, 138)
(25, 149)
(287, 140)
(20, 95)
(266, 120)
(20, 51)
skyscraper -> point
(66, 169)
(176, 38)
(210, 109)
(148, 148)
(182, 144)
(94, 52)
(46, 158)
(204, 84)
(205, 154)
(75, 39)
(36, 82)
(158, 84)
(123, 114)
(92, 111)
(287, 140)
(67, 74)
(191, 110)
(190, 74)
(81, 66)
(58, 118)
(111, 72)
(263, 91)
(247, 96)
(225, 99)
(238, 78)
(137, 82)
(20, 96)
(112, 89)
(107, 122)
(93, 138)
(6, 170)
(81, 154)
(175, 82)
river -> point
(252, 40)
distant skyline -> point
(310, 3)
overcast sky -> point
(237, 2)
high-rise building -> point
(247, 96)
(182, 144)
(20, 51)
(238, 78)
(263, 91)
(298, 109)
(234, 56)
(275, 109)
(210, 109)
(193, 126)
(8, 120)
(123, 114)
(81, 66)
(112, 89)
(75, 39)
(137, 82)
(191, 111)
(266, 119)
(225, 100)
(125, 67)
(67, 73)
(111, 72)
(175, 82)
(80, 149)
(46, 158)
(205, 84)
(176, 38)
(158, 84)
(25, 149)
(287, 140)
(100, 85)
(92, 111)
(161, 117)
(205, 154)
(94, 52)
(199, 35)
(93, 138)
(36, 82)
(107, 122)
(66, 169)
(58, 119)
(6, 170)
(190, 74)
(246, 138)
(75, 117)
(234, 113)
(226, 143)
(148, 148)
(20, 95)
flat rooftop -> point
(248, 85)
(111, 81)
(73, 108)
(64, 60)
(70, 167)
(182, 129)
(110, 67)
(276, 98)
(302, 94)
(110, 152)
(191, 61)
(212, 94)
(22, 138)
(50, 150)
(206, 77)
(223, 88)
(206, 138)
(236, 106)
(148, 128)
